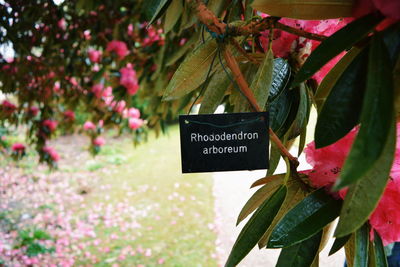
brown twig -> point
(244, 88)
(208, 18)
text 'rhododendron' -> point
(327, 163)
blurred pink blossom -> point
(99, 141)
(94, 55)
(118, 47)
(52, 153)
(18, 147)
(129, 80)
(51, 125)
(88, 125)
(135, 123)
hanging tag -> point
(224, 142)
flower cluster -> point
(327, 163)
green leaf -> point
(363, 196)
(262, 80)
(274, 157)
(302, 115)
(341, 40)
(295, 193)
(380, 255)
(361, 247)
(333, 76)
(272, 184)
(280, 78)
(341, 111)
(350, 250)
(162, 6)
(305, 219)
(301, 254)
(376, 117)
(215, 92)
(338, 244)
(256, 226)
(192, 72)
(173, 14)
(179, 53)
(279, 109)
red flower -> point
(18, 148)
(94, 55)
(52, 153)
(129, 80)
(89, 126)
(8, 107)
(118, 47)
(135, 123)
(51, 125)
(69, 115)
(327, 163)
(99, 141)
(389, 8)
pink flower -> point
(97, 90)
(18, 148)
(129, 80)
(8, 107)
(69, 115)
(52, 153)
(119, 106)
(389, 8)
(131, 113)
(99, 141)
(33, 111)
(51, 125)
(161, 261)
(88, 125)
(135, 123)
(118, 47)
(327, 163)
(62, 24)
(94, 55)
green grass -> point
(175, 229)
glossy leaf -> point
(361, 247)
(296, 193)
(280, 78)
(376, 117)
(256, 226)
(272, 184)
(172, 15)
(262, 80)
(342, 109)
(305, 219)
(341, 40)
(279, 110)
(363, 196)
(301, 254)
(192, 72)
(306, 9)
(303, 112)
(333, 76)
(380, 259)
(162, 6)
(215, 92)
(338, 244)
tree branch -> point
(244, 88)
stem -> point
(238, 76)
(208, 18)
(243, 52)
